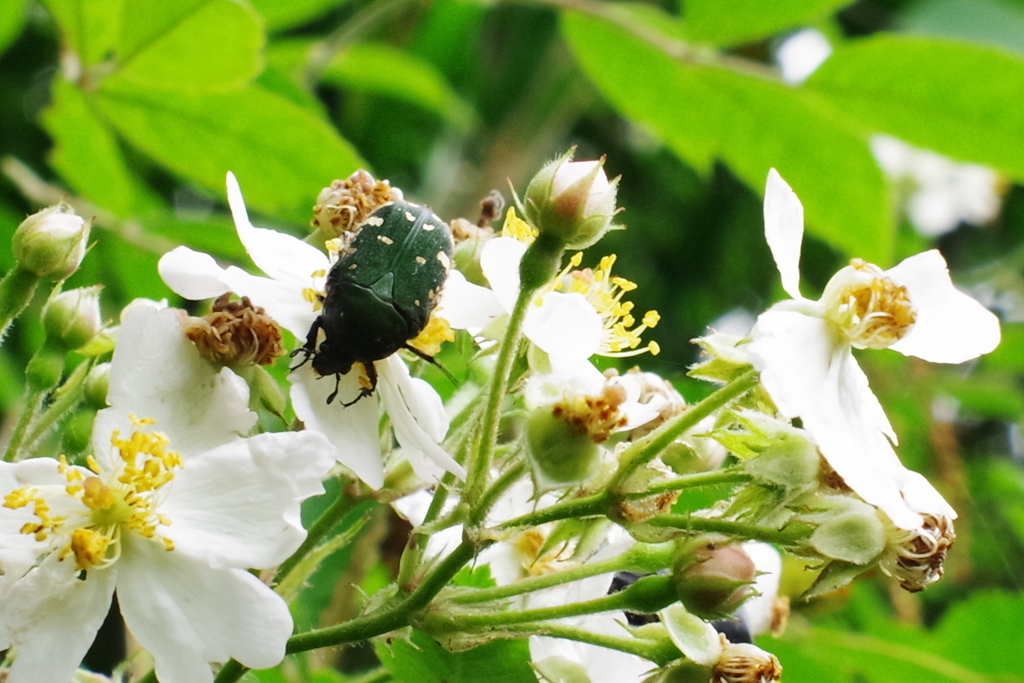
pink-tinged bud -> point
(51, 243)
(713, 579)
(73, 318)
(572, 201)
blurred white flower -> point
(296, 272)
(173, 509)
(799, 55)
(802, 349)
(938, 193)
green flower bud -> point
(51, 243)
(73, 318)
(571, 200)
(97, 384)
(713, 579)
(561, 453)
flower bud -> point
(51, 243)
(561, 453)
(713, 579)
(73, 318)
(571, 200)
(97, 384)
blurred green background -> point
(134, 111)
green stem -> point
(16, 290)
(646, 449)
(64, 399)
(660, 652)
(467, 620)
(505, 480)
(787, 535)
(42, 374)
(331, 516)
(641, 558)
(412, 556)
(731, 475)
(591, 506)
(388, 618)
(480, 465)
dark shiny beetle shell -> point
(381, 291)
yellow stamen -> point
(518, 228)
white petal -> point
(188, 614)
(784, 230)
(950, 327)
(353, 431)
(52, 618)
(564, 325)
(758, 611)
(157, 373)
(416, 412)
(192, 274)
(279, 255)
(922, 497)
(499, 262)
(811, 375)
(195, 276)
(467, 306)
(238, 505)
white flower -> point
(801, 54)
(579, 315)
(939, 193)
(296, 272)
(802, 349)
(171, 511)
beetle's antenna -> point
(433, 361)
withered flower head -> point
(745, 663)
(914, 556)
(236, 334)
(346, 204)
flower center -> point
(873, 311)
(604, 291)
(108, 503)
(595, 416)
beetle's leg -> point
(433, 361)
(337, 385)
(309, 348)
(368, 387)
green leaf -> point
(739, 21)
(11, 21)
(89, 27)
(984, 633)
(701, 112)
(386, 70)
(87, 155)
(281, 15)
(995, 22)
(282, 154)
(193, 46)
(424, 661)
(958, 99)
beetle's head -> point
(330, 360)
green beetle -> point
(380, 292)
